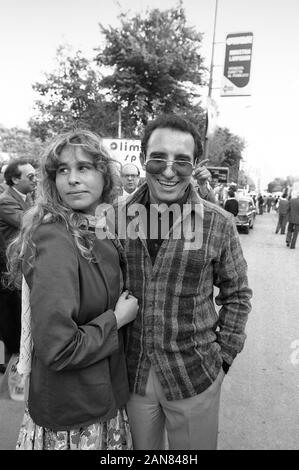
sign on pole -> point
(125, 151)
(236, 73)
(219, 174)
(212, 117)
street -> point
(260, 394)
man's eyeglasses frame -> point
(186, 168)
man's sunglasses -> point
(154, 166)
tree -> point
(70, 97)
(245, 180)
(18, 143)
(148, 65)
(278, 184)
(291, 179)
(226, 150)
(156, 64)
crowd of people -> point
(288, 215)
(286, 206)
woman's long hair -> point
(49, 206)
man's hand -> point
(201, 173)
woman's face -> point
(79, 184)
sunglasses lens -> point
(183, 168)
(155, 166)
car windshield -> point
(243, 205)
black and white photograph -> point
(149, 219)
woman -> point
(78, 384)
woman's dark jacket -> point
(78, 369)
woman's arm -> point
(54, 284)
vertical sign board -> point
(219, 174)
(125, 151)
(236, 73)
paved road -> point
(260, 397)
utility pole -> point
(206, 152)
(119, 121)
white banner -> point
(125, 151)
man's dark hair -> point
(231, 193)
(13, 171)
(172, 121)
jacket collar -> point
(13, 193)
(193, 215)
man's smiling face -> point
(170, 145)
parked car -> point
(247, 213)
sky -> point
(32, 30)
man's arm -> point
(202, 176)
(234, 294)
(11, 213)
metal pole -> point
(119, 121)
(213, 49)
(206, 153)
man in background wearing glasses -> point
(130, 178)
(179, 348)
(20, 178)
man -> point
(21, 181)
(260, 202)
(231, 204)
(293, 226)
(269, 202)
(178, 348)
(130, 174)
(283, 209)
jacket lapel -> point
(25, 205)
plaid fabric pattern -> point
(178, 330)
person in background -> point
(276, 202)
(283, 209)
(260, 202)
(20, 178)
(178, 349)
(130, 174)
(78, 385)
(269, 202)
(231, 204)
(293, 226)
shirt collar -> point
(23, 196)
(126, 194)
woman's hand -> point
(126, 309)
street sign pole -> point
(207, 143)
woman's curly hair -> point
(49, 206)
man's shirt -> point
(177, 330)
